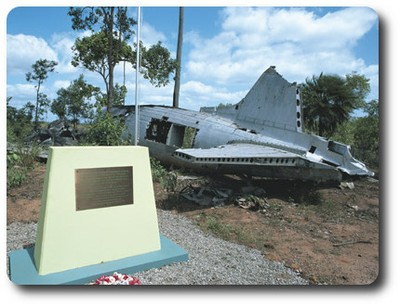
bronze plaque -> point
(103, 187)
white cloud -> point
(62, 44)
(195, 94)
(222, 67)
(58, 84)
(23, 90)
(299, 42)
(21, 94)
(150, 36)
(148, 94)
(24, 50)
(197, 88)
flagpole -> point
(137, 78)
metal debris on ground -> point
(253, 190)
(249, 197)
(206, 196)
(252, 202)
(344, 185)
(57, 133)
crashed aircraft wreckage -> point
(260, 136)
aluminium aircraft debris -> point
(262, 136)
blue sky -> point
(359, 51)
(225, 49)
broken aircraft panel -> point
(262, 136)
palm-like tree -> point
(328, 101)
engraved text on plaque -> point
(103, 187)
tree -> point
(178, 59)
(105, 130)
(19, 121)
(156, 64)
(107, 46)
(362, 134)
(41, 68)
(330, 99)
(360, 87)
(119, 97)
(114, 27)
(366, 135)
(73, 102)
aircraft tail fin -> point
(272, 101)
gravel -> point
(212, 261)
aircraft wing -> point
(236, 153)
(257, 160)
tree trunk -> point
(36, 126)
(178, 59)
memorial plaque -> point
(103, 187)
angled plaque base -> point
(23, 270)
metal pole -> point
(137, 78)
(175, 100)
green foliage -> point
(19, 126)
(362, 134)
(345, 132)
(19, 122)
(218, 228)
(39, 74)
(105, 130)
(119, 95)
(330, 99)
(188, 137)
(167, 179)
(73, 102)
(19, 163)
(103, 18)
(360, 86)
(107, 46)
(366, 139)
(40, 68)
(157, 65)
(15, 176)
(224, 105)
(91, 53)
(111, 29)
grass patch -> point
(329, 211)
(229, 232)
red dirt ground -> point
(334, 242)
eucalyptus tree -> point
(40, 70)
(111, 29)
(74, 102)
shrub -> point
(19, 163)
(167, 180)
(105, 131)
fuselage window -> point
(171, 134)
(158, 130)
